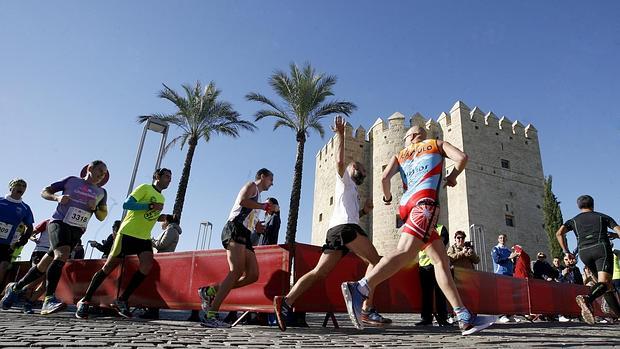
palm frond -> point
(334, 107)
(315, 125)
(263, 113)
(182, 138)
(256, 97)
(280, 123)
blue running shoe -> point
(52, 305)
(476, 323)
(353, 300)
(10, 296)
(212, 320)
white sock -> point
(362, 287)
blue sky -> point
(74, 75)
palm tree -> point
(199, 115)
(304, 94)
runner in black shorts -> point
(243, 268)
(344, 234)
(144, 206)
(235, 231)
(82, 197)
(595, 251)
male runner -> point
(595, 252)
(80, 199)
(344, 234)
(420, 165)
(144, 206)
(243, 268)
(13, 212)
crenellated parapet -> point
(357, 135)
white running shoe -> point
(478, 323)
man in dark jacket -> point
(542, 269)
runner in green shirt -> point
(144, 207)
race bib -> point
(77, 217)
(5, 230)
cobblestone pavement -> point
(19, 330)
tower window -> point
(331, 200)
(507, 208)
(320, 217)
(505, 164)
(510, 220)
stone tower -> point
(500, 190)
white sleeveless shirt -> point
(346, 202)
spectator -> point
(503, 265)
(462, 253)
(615, 279)
(502, 257)
(570, 275)
(430, 290)
(106, 245)
(557, 265)
(272, 226)
(166, 242)
(542, 269)
(169, 238)
(522, 264)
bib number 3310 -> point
(77, 217)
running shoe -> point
(353, 300)
(207, 295)
(52, 305)
(282, 310)
(82, 309)
(371, 317)
(476, 323)
(27, 308)
(586, 309)
(10, 296)
(563, 318)
(213, 322)
(122, 308)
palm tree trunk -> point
(293, 214)
(187, 167)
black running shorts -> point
(5, 253)
(125, 245)
(63, 234)
(340, 235)
(598, 257)
(236, 232)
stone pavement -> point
(19, 331)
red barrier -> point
(481, 292)
(175, 278)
